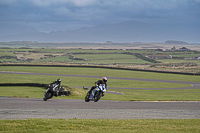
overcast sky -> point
(53, 15)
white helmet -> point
(104, 79)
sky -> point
(54, 15)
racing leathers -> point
(97, 84)
(58, 87)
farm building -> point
(183, 49)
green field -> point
(129, 95)
(179, 61)
(101, 72)
(100, 126)
(90, 56)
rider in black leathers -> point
(102, 81)
(57, 82)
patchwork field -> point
(132, 58)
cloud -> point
(92, 12)
(82, 3)
(78, 3)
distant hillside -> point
(176, 42)
(131, 31)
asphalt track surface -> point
(24, 108)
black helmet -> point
(59, 80)
(104, 79)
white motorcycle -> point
(96, 94)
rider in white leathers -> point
(102, 81)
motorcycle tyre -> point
(47, 96)
(97, 96)
(87, 98)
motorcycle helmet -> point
(104, 79)
(58, 80)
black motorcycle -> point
(50, 92)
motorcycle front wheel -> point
(87, 98)
(97, 96)
(47, 96)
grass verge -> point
(99, 126)
(155, 95)
(101, 72)
(129, 95)
(38, 92)
(83, 81)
